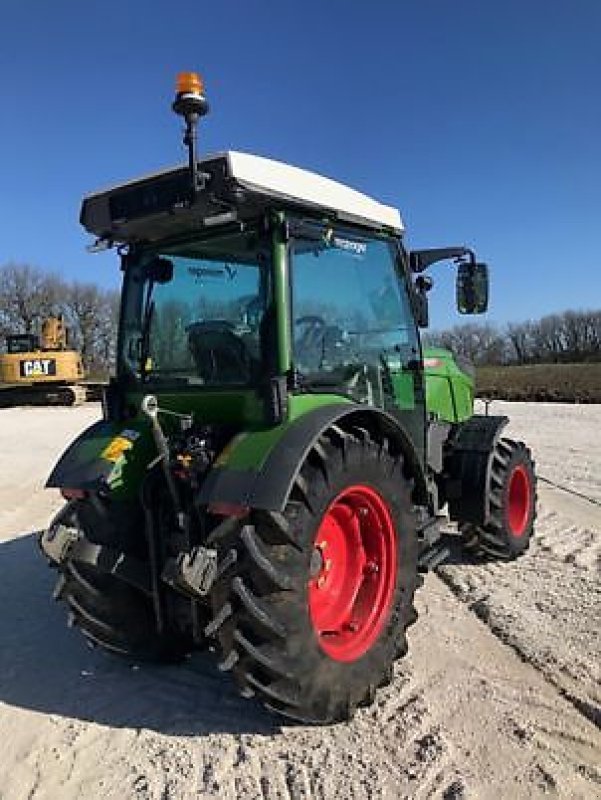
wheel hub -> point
(519, 493)
(353, 573)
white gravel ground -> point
(499, 698)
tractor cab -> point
(275, 285)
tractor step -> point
(429, 531)
(433, 557)
(433, 551)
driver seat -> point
(219, 355)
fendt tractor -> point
(276, 451)
(42, 370)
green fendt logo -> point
(37, 367)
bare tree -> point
(92, 315)
(519, 338)
(480, 344)
(27, 296)
(570, 336)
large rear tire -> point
(312, 604)
(512, 505)
(111, 613)
(115, 616)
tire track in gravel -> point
(546, 605)
(465, 716)
(510, 732)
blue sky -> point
(479, 119)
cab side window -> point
(352, 322)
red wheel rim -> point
(518, 501)
(353, 573)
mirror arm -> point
(420, 260)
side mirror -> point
(472, 288)
(159, 270)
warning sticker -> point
(116, 448)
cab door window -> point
(353, 328)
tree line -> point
(29, 295)
(567, 337)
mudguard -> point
(468, 465)
(109, 456)
(268, 485)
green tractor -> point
(276, 450)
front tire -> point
(512, 505)
(313, 603)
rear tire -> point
(268, 617)
(111, 613)
(512, 499)
(115, 616)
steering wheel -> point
(315, 327)
(310, 342)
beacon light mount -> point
(191, 104)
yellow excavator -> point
(42, 370)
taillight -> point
(73, 494)
(229, 510)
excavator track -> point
(44, 395)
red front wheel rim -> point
(519, 493)
(353, 573)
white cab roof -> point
(274, 178)
(280, 180)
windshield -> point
(204, 325)
(22, 343)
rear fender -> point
(468, 465)
(267, 485)
(108, 456)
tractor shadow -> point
(47, 667)
(458, 555)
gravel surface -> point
(499, 697)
